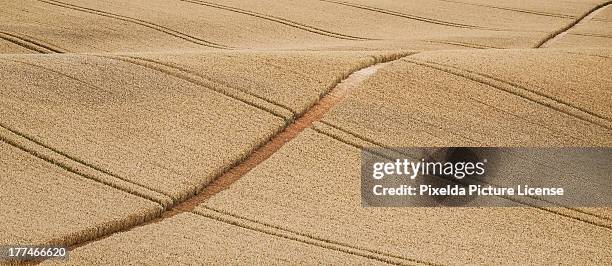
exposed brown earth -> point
(225, 131)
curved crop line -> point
(586, 54)
(551, 37)
(167, 70)
(280, 20)
(251, 160)
(591, 35)
(526, 89)
(170, 65)
(76, 160)
(403, 15)
(56, 72)
(513, 199)
(458, 72)
(140, 22)
(533, 12)
(30, 43)
(464, 44)
(242, 221)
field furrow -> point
(279, 20)
(136, 21)
(399, 14)
(216, 132)
(30, 43)
(329, 203)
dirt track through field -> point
(219, 128)
(584, 18)
(313, 114)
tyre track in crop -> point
(590, 35)
(30, 43)
(56, 72)
(464, 44)
(140, 22)
(280, 20)
(260, 154)
(586, 54)
(530, 201)
(216, 83)
(200, 81)
(165, 202)
(520, 91)
(77, 166)
(339, 92)
(403, 15)
(561, 32)
(533, 12)
(278, 231)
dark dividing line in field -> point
(269, 229)
(558, 34)
(280, 20)
(209, 79)
(557, 105)
(172, 71)
(314, 113)
(513, 199)
(403, 15)
(259, 155)
(533, 12)
(140, 22)
(29, 43)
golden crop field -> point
(167, 132)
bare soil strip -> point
(30, 43)
(315, 113)
(584, 18)
(147, 24)
(280, 20)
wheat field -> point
(230, 132)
